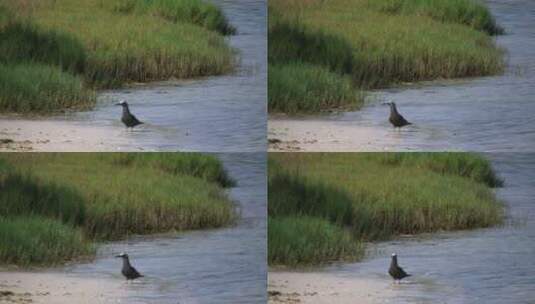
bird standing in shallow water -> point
(396, 119)
(128, 271)
(395, 271)
(129, 120)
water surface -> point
(480, 114)
(211, 266)
(214, 114)
(493, 265)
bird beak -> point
(118, 104)
(119, 256)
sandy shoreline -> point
(319, 288)
(57, 288)
(41, 135)
(313, 135)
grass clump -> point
(34, 240)
(290, 42)
(386, 42)
(110, 196)
(378, 196)
(296, 88)
(468, 12)
(196, 12)
(297, 241)
(23, 41)
(107, 48)
(30, 88)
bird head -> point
(122, 103)
(122, 255)
(394, 255)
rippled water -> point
(216, 266)
(480, 266)
(215, 114)
(481, 114)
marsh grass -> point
(197, 12)
(302, 241)
(472, 13)
(378, 196)
(107, 48)
(291, 42)
(304, 88)
(39, 241)
(422, 40)
(113, 198)
(37, 88)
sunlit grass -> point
(419, 40)
(300, 241)
(33, 240)
(297, 87)
(107, 47)
(378, 196)
(106, 196)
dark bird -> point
(128, 271)
(396, 119)
(395, 271)
(129, 120)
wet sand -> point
(315, 135)
(41, 135)
(58, 288)
(318, 288)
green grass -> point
(297, 241)
(422, 40)
(297, 88)
(113, 195)
(108, 48)
(197, 12)
(378, 196)
(472, 13)
(33, 240)
(37, 88)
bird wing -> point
(136, 121)
(131, 273)
(403, 120)
(402, 272)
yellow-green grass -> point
(111, 196)
(38, 88)
(305, 88)
(108, 48)
(387, 48)
(197, 12)
(472, 13)
(378, 196)
(35, 240)
(300, 241)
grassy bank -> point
(34, 240)
(36, 88)
(110, 196)
(309, 240)
(383, 43)
(378, 196)
(109, 43)
(296, 88)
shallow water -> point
(215, 266)
(214, 114)
(481, 114)
(480, 266)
